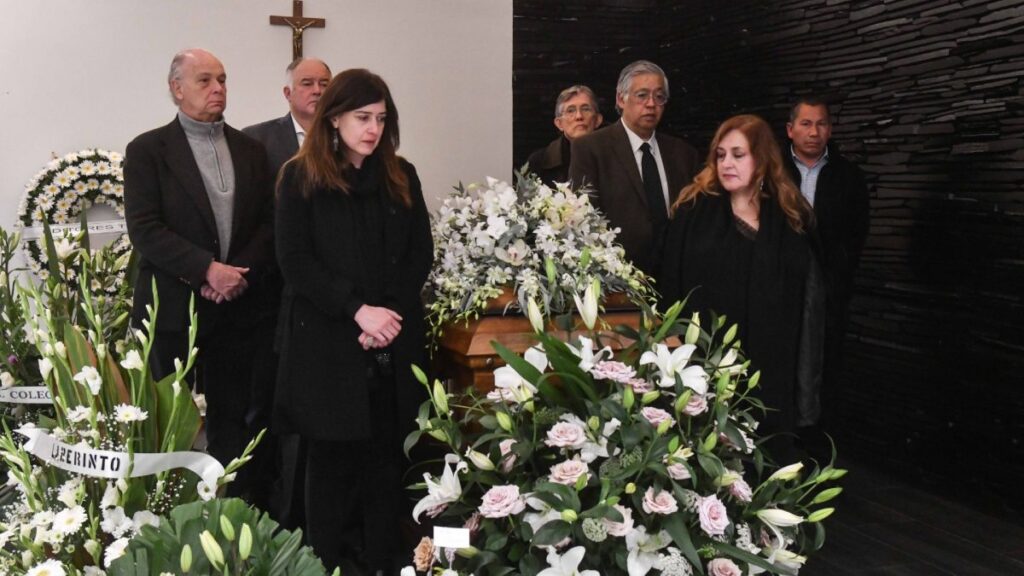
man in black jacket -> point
(199, 209)
(835, 187)
(281, 462)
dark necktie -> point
(652, 186)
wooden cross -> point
(298, 24)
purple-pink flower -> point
(656, 416)
(723, 567)
(614, 371)
(568, 472)
(714, 518)
(566, 435)
(620, 528)
(640, 386)
(697, 405)
(660, 503)
(741, 491)
(501, 501)
(678, 471)
(508, 458)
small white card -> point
(451, 537)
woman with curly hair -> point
(739, 245)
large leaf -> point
(552, 533)
(676, 528)
(743, 555)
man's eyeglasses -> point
(642, 96)
(571, 111)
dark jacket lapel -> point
(183, 165)
(623, 152)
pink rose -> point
(640, 386)
(678, 471)
(696, 405)
(614, 371)
(566, 435)
(508, 459)
(620, 528)
(713, 516)
(741, 491)
(568, 472)
(660, 503)
(501, 501)
(723, 567)
(656, 416)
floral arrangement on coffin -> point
(218, 537)
(105, 399)
(547, 244)
(579, 462)
(64, 189)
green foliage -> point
(248, 541)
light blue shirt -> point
(809, 174)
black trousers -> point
(353, 492)
(225, 371)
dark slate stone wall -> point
(928, 100)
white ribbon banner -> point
(26, 395)
(110, 464)
(98, 227)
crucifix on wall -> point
(298, 24)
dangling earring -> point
(762, 185)
(334, 142)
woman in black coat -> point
(738, 245)
(354, 247)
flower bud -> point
(778, 517)
(663, 427)
(628, 398)
(752, 383)
(245, 542)
(467, 552)
(826, 495)
(480, 460)
(186, 558)
(630, 488)
(649, 397)
(440, 398)
(819, 515)
(94, 549)
(693, 330)
(550, 271)
(504, 420)
(212, 549)
(227, 528)
(594, 423)
(438, 434)
(569, 515)
(730, 334)
(584, 258)
(534, 314)
(787, 472)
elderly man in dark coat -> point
(576, 114)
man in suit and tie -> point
(199, 210)
(280, 465)
(635, 173)
(305, 81)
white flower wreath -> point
(64, 188)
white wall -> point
(78, 74)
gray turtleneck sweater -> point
(210, 149)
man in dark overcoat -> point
(835, 187)
(281, 470)
(636, 173)
(199, 210)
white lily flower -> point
(587, 307)
(592, 450)
(444, 490)
(643, 550)
(588, 359)
(45, 367)
(534, 314)
(480, 460)
(510, 387)
(6, 379)
(673, 362)
(566, 564)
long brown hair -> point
(768, 169)
(323, 166)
